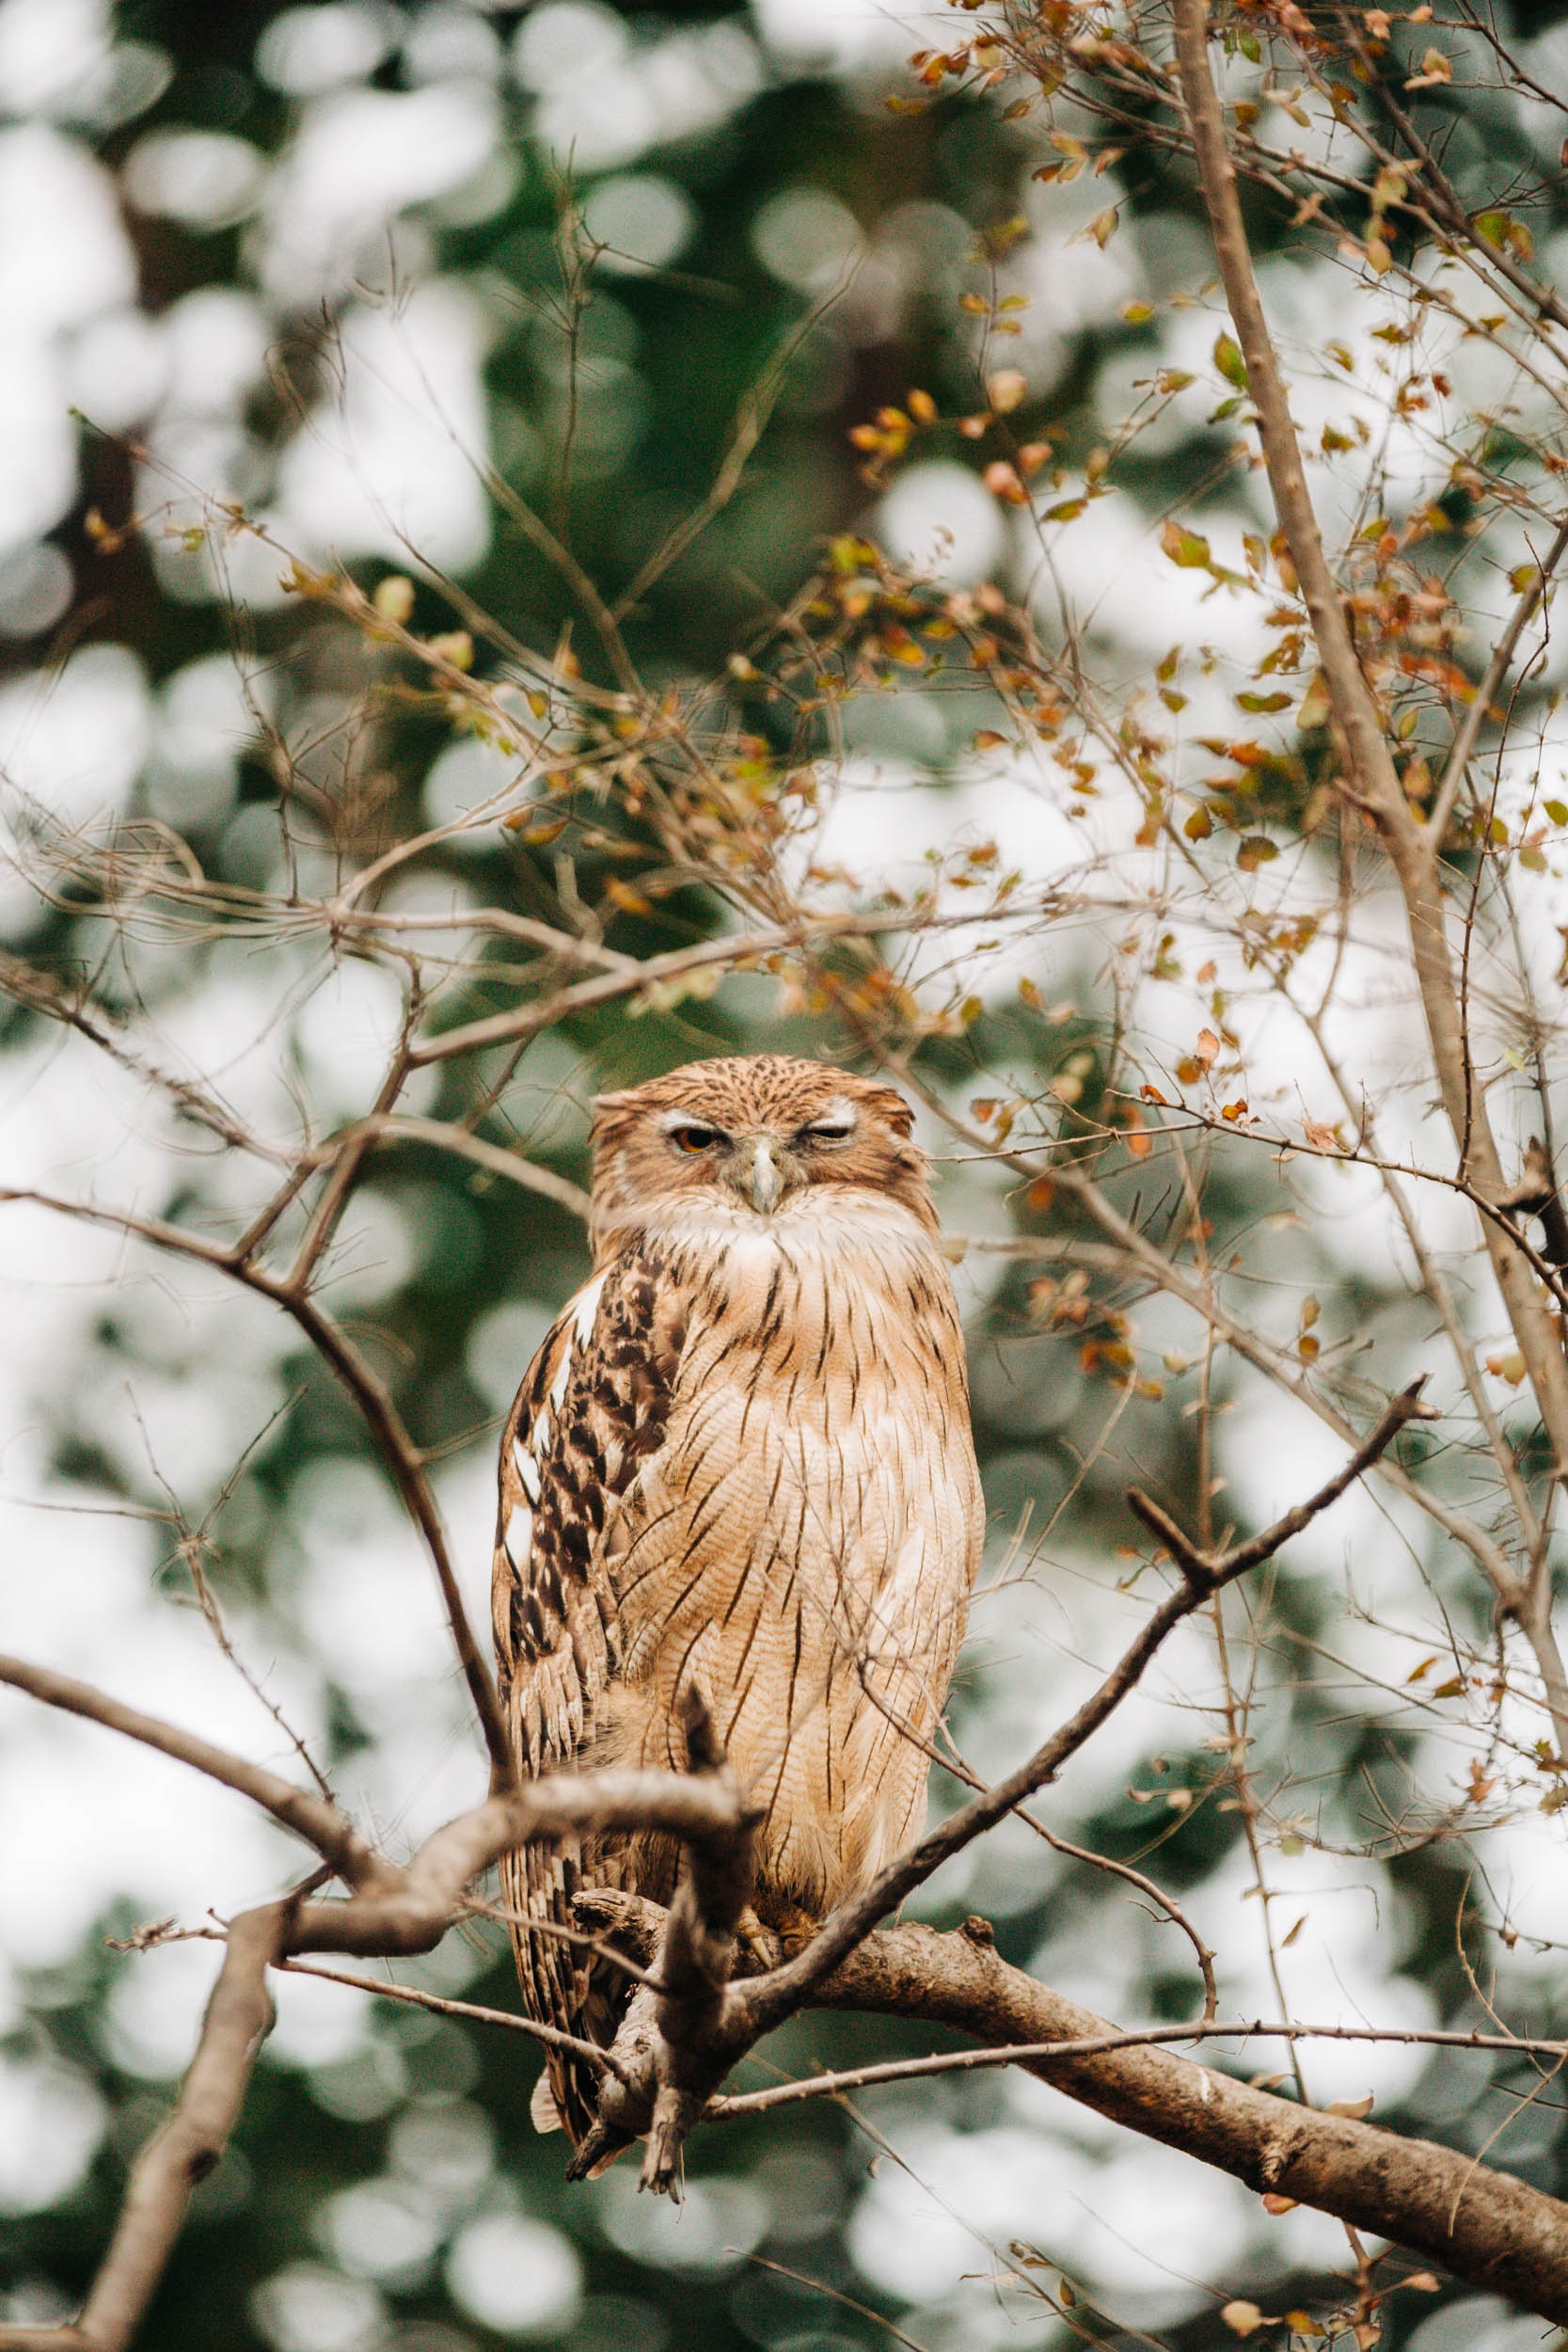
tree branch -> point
(1412, 849)
(718, 1875)
(377, 1409)
(680, 2031)
(1486, 692)
(677, 2043)
(1481, 2225)
(392, 1911)
(307, 1813)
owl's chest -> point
(819, 1427)
(824, 1340)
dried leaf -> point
(1435, 68)
(1003, 482)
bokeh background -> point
(368, 272)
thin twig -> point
(1486, 692)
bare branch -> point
(307, 1813)
(679, 2031)
(474, 2012)
(717, 1879)
(737, 950)
(400, 1126)
(1487, 692)
(168, 2167)
(1481, 2225)
(1374, 781)
(381, 1416)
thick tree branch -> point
(392, 1911)
(1480, 2224)
(1374, 781)
(1486, 2226)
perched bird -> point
(741, 1461)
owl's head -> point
(751, 1135)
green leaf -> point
(1229, 360)
(1262, 702)
(1188, 549)
(1256, 851)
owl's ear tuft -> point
(889, 1104)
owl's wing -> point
(592, 1408)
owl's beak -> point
(762, 1179)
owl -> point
(741, 1462)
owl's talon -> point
(596, 2151)
(758, 1948)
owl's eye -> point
(828, 1131)
(695, 1139)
